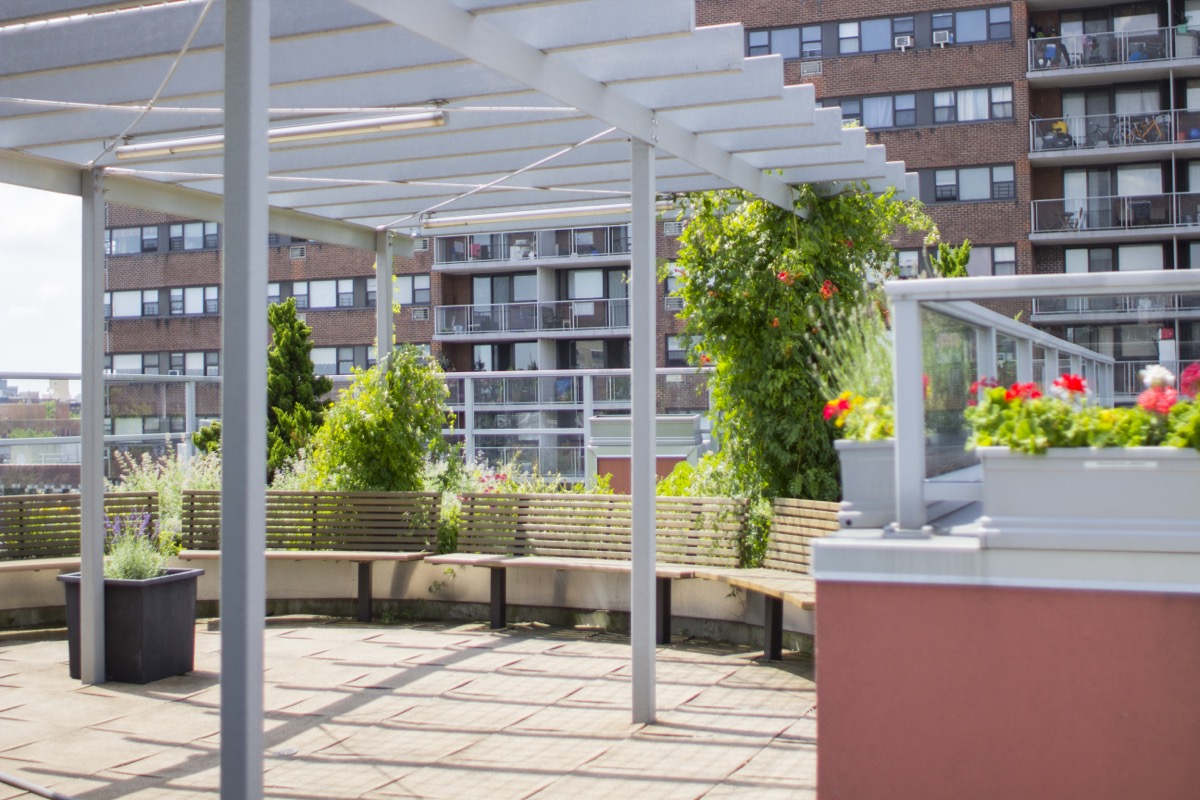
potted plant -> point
(149, 609)
(1057, 466)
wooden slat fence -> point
(691, 530)
(795, 523)
(361, 521)
(47, 525)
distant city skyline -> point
(40, 280)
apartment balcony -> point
(522, 321)
(499, 252)
(1098, 58)
(1117, 218)
(1113, 138)
(1118, 309)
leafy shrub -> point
(136, 549)
(168, 475)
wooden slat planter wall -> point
(47, 525)
(691, 530)
(359, 521)
(795, 524)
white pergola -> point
(356, 122)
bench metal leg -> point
(772, 629)
(499, 598)
(364, 591)
(663, 617)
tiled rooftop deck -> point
(423, 711)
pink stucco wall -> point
(929, 692)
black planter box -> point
(149, 626)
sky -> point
(40, 281)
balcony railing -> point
(1077, 51)
(1151, 306)
(1117, 212)
(1113, 130)
(557, 243)
(487, 320)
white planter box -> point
(1134, 498)
(868, 483)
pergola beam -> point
(476, 38)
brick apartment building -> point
(967, 94)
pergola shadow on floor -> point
(427, 710)
(362, 122)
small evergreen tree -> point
(294, 405)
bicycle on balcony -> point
(1149, 130)
(1097, 134)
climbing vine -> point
(758, 284)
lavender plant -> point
(137, 550)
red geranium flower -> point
(1158, 399)
(836, 407)
(1023, 391)
(828, 289)
(1189, 380)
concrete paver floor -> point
(428, 710)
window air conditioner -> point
(902, 42)
(672, 303)
(810, 68)
(943, 38)
(174, 372)
(673, 228)
(421, 245)
(420, 314)
(297, 252)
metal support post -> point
(385, 320)
(772, 628)
(499, 598)
(663, 627)
(364, 591)
(910, 416)
(189, 416)
(1024, 360)
(91, 455)
(244, 399)
(642, 386)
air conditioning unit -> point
(174, 372)
(810, 68)
(673, 228)
(421, 245)
(673, 303)
(902, 43)
(943, 38)
(420, 314)
(297, 252)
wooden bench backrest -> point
(47, 525)
(368, 521)
(690, 530)
(794, 525)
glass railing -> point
(598, 240)
(1150, 305)
(1078, 51)
(1116, 212)
(1113, 130)
(532, 317)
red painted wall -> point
(972, 693)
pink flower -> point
(787, 278)
(1189, 380)
(836, 407)
(1158, 399)
(828, 290)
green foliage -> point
(136, 551)
(208, 438)
(29, 433)
(169, 476)
(757, 283)
(377, 434)
(294, 406)
(951, 262)
(1032, 425)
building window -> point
(975, 183)
(176, 301)
(1004, 260)
(193, 236)
(150, 364)
(848, 39)
(908, 263)
(108, 305)
(322, 294)
(943, 107)
(676, 354)
(876, 35)
(903, 26)
(212, 364)
(999, 23)
(852, 111)
(1002, 102)
(272, 293)
(906, 110)
(345, 360)
(193, 300)
(150, 303)
(212, 300)
(324, 360)
(126, 304)
(345, 293)
(784, 42)
(300, 292)
(810, 41)
(372, 286)
(975, 25)
(150, 239)
(122, 241)
(176, 364)
(127, 363)
(973, 105)
(411, 289)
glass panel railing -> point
(951, 366)
(1112, 130)
(1117, 212)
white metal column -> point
(244, 398)
(641, 469)
(91, 454)
(1024, 360)
(985, 351)
(910, 416)
(385, 321)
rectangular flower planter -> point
(868, 483)
(1133, 498)
(149, 626)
